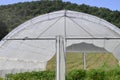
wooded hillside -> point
(13, 15)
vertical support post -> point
(84, 60)
(60, 58)
(57, 58)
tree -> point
(15, 14)
(3, 30)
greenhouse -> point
(32, 44)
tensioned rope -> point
(67, 38)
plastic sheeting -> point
(29, 55)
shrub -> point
(42, 75)
(96, 74)
(113, 74)
(77, 75)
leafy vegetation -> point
(76, 75)
(15, 14)
(3, 30)
(93, 74)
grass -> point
(94, 61)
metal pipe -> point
(84, 60)
(65, 38)
(30, 39)
(57, 58)
(92, 38)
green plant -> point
(93, 74)
(113, 74)
(97, 74)
(41, 75)
(77, 75)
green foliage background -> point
(3, 30)
(15, 14)
(78, 74)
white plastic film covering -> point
(16, 55)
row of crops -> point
(93, 74)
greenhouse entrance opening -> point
(82, 50)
